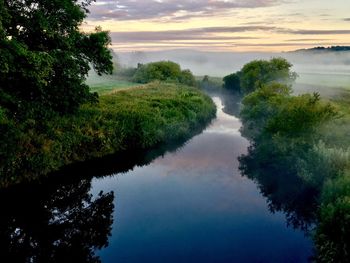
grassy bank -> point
(107, 83)
(134, 118)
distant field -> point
(108, 83)
(325, 79)
(327, 84)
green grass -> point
(106, 87)
(325, 80)
(328, 85)
(337, 132)
(107, 83)
(135, 118)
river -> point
(189, 204)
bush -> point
(333, 231)
(232, 82)
(260, 106)
(301, 116)
(163, 71)
(272, 110)
(187, 78)
(137, 118)
(260, 72)
(287, 140)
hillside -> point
(325, 49)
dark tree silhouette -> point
(44, 56)
(50, 223)
(278, 181)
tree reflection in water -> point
(274, 172)
(58, 220)
(279, 182)
(50, 223)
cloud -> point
(215, 34)
(308, 39)
(224, 37)
(172, 9)
(205, 33)
(273, 44)
(317, 32)
(347, 19)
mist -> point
(325, 72)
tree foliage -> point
(163, 71)
(127, 120)
(55, 222)
(259, 72)
(333, 232)
(44, 57)
(232, 82)
(299, 170)
(273, 111)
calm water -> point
(194, 206)
(187, 205)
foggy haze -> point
(318, 71)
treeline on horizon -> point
(295, 139)
(320, 48)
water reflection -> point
(194, 206)
(124, 161)
(58, 219)
(280, 184)
(54, 223)
(276, 175)
(230, 100)
(181, 202)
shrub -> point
(232, 82)
(257, 73)
(137, 118)
(333, 231)
(163, 71)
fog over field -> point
(222, 63)
(318, 71)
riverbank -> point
(134, 118)
(151, 200)
(307, 139)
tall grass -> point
(135, 118)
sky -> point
(222, 25)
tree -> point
(45, 58)
(232, 82)
(163, 71)
(332, 233)
(186, 77)
(258, 72)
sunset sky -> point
(222, 25)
